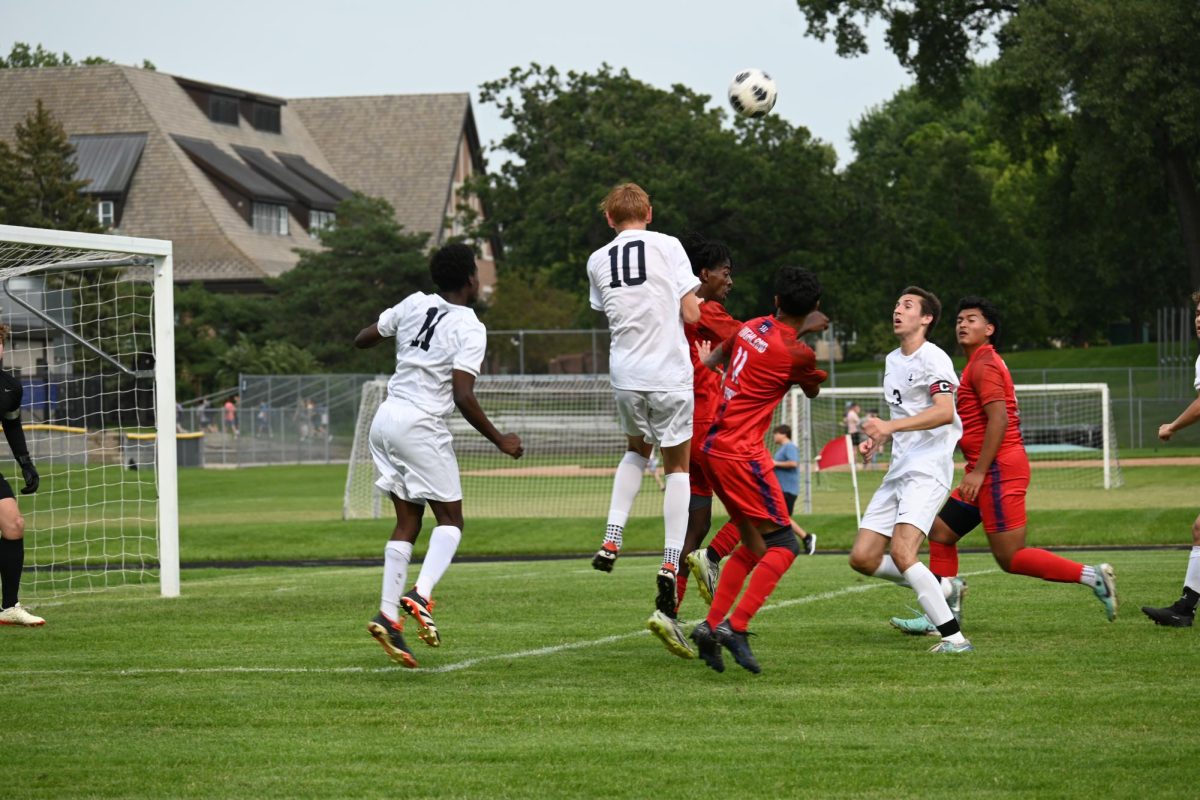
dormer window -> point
(223, 109)
(106, 213)
(265, 117)
(270, 218)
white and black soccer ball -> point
(752, 93)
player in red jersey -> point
(763, 359)
(997, 477)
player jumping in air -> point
(763, 360)
(997, 477)
(12, 524)
(643, 282)
(440, 345)
(1182, 612)
(918, 385)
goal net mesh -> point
(82, 347)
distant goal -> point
(92, 345)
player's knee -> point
(785, 538)
(866, 563)
(13, 527)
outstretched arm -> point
(1187, 417)
(463, 384)
(368, 336)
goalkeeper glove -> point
(29, 473)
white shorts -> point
(661, 418)
(414, 454)
(910, 498)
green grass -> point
(264, 683)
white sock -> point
(1088, 576)
(676, 497)
(396, 557)
(929, 594)
(443, 541)
(1192, 581)
(947, 587)
(626, 484)
(889, 572)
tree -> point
(368, 264)
(39, 188)
(577, 135)
(1119, 78)
(22, 56)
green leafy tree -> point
(22, 56)
(39, 186)
(207, 324)
(368, 264)
(273, 358)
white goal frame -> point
(163, 311)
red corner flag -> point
(836, 453)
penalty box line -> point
(457, 665)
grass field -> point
(263, 681)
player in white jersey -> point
(440, 345)
(1182, 612)
(643, 282)
(919, 382)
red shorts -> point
(749, 488)
(1001, 499)
(698, 465)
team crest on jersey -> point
(912, 377)
(765, 326)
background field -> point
(263, 681)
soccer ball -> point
(752, 93)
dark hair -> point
(798, 290)
(786, 430)
(452, 267)
(1196, 297)
(929, 303)
(985, 308)
(705, 253)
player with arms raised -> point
(643, 282)
(1182, 612)
(12, 524)
(996, 480)
(763, 359)
(440, 345)
(918, 384)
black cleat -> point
(420, 609)
(707, 647)
(387, 632)
(667, 599)
(605, 558)
(1169, 617)
(738, 645)
(809, 545)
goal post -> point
(92, 344)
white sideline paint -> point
(457, 665)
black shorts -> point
(5, 490)
(855, 438)
(790, 501)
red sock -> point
(1043, 564)
(943, 559)
(726, 539)
(763, 580)
(733, 575)
(680, 591)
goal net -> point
(92, 345)
(1068, 432)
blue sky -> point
(304, 48)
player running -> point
(440, 345)
(763, 359)
(12, 524)
(1182, 612)
(997, 477)
(918, 384)
(643, 282)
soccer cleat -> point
(809, 544)
(671, 633)
(667, 598)
(707, 647)
(419, 609)
(738, 645)
(387, 632)
(958, 590)
(16, 615)
(915, 626)
(1106, 590)
(1169, 617)
(605, 557)
(947, 646)
(707, 573)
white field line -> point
(452, 667)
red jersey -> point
(765, 360)
(715, 325)
(986, 379)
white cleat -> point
(17, 615)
